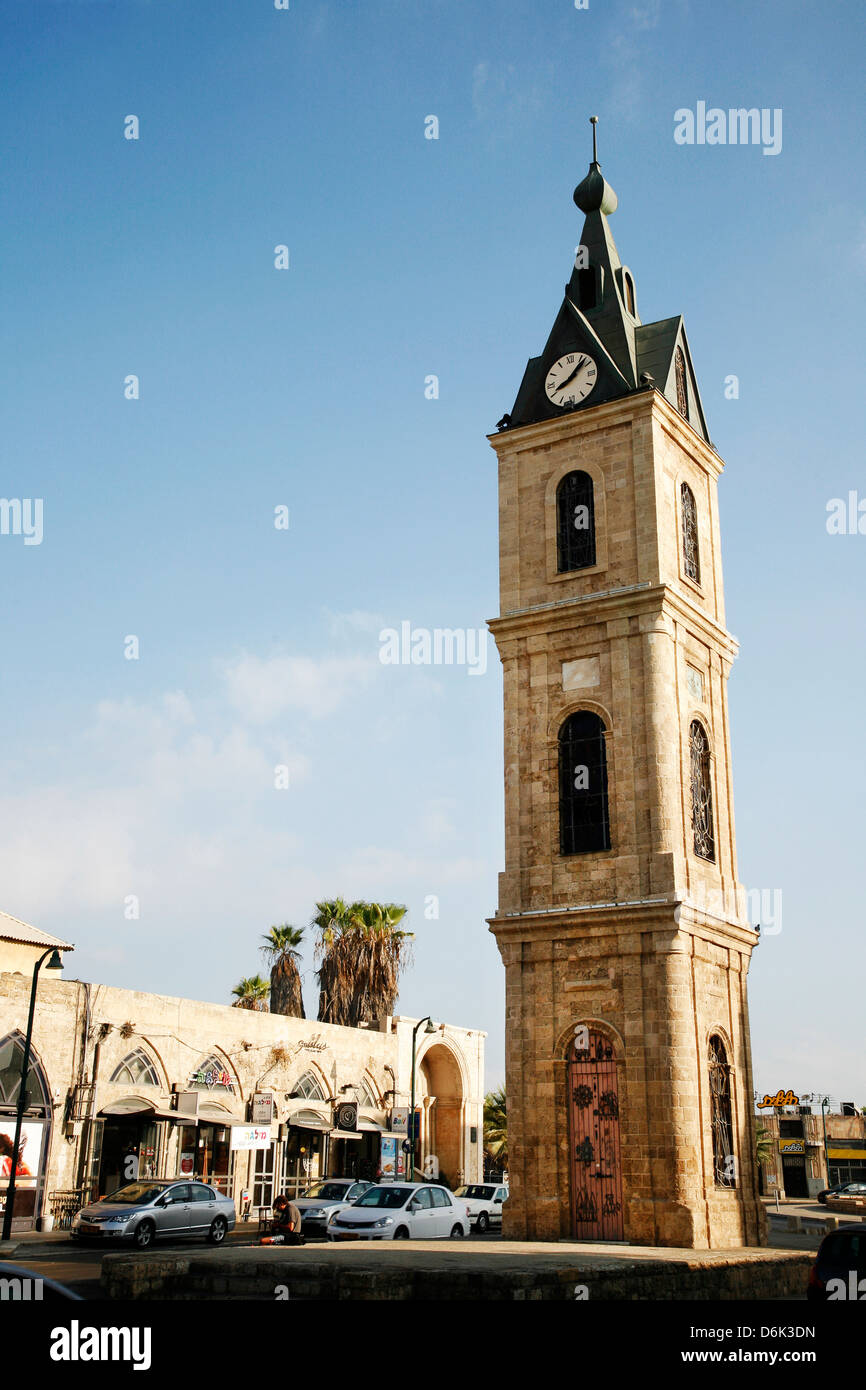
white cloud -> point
(264, 688)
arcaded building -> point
(124, 1083)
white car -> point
(400, 1211)
(484, 1203)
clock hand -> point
(581, 364)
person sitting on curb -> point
(286, 1221)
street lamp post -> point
(431, 1028)
(825, 1102)
(55, 963)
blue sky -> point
(305, 388)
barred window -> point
(575, 513)
(720, 1114)
(691, 549)
(682, 390)
(584, 826)
(702, 792)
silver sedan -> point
(152, 1210)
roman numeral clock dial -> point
(571, 379)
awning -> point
(345, 1134)
(145, 1110)
(213, 1114)
(853, 1155)
(309, 1119)
(371, 1126)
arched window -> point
(583, 816)
(720, 1113)
(702, 792)
(11, 1057)
(211, 1075)
(682, 389)
(136, 1070)
(575, 515)
(310, 1087)
(629, 292)
(691, 549)
(367, 1094)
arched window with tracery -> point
(310, 1087)
(702, 793)
(211, 1075)
(584, 825)
(575, 522)
(720, 1113)
(691, 549)
(136, 1069)
(682, 389)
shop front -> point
(130, 1140)
(303, 1150)
(30, 1161)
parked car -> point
(839, 1187)
(841, 1256)
(156, 1209)
(852, 1198)
(400, 1211)
(318, 1202)
(483, 1202)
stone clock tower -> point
(620, 918)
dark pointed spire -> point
(594, 193)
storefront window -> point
(28, 1161)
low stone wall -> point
(262, 1275)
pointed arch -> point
(212, 1074)
(309, 1086)
(721, 1117)
(38, 1094)
(137, 1068)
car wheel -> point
(144, 1234)
(218, 1228)
(456, 1232)
(483, 1221)
(401, 1233)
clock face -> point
(571, 379)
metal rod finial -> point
(594, 122)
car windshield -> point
(326, 1191)
(476, 1190)
(384, 1197)
(135, 1194)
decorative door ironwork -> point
(596, 1166)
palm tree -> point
(496, 1128)
(281, 950)
(252, 992)
(362, 953)
(763, 1145)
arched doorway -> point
(594, 1144)
(441, 1099)
(35, 1132)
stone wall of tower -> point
(645, 941)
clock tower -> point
(620, 921)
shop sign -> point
(780, 1098)
(251, 1137)
(400, 1119)
(212, 1076)
(263, 1107)
(792, 1146)
(187, 1163)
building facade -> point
(620, 921)
(810, 1150)
(124, 1083)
